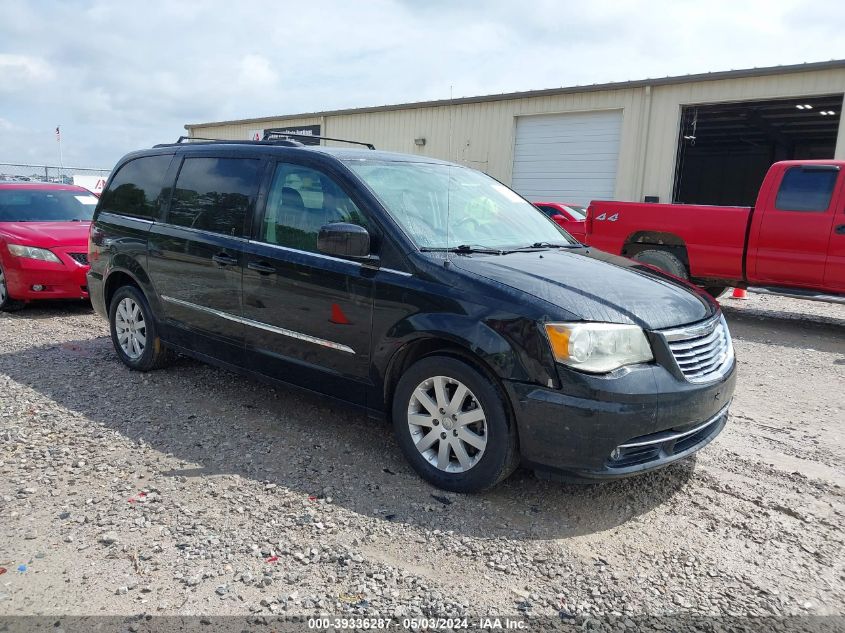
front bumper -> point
(66, 280)
(649, 415)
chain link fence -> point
(89, 177)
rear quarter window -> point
(215, 194)
(806, 189)
(136, 189)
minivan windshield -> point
(46, 205)
(443, 206)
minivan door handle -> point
(840, 230)
(261, 267)
(225, 260)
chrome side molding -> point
(262, 326)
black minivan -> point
(423, 291)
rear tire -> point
(665, 261)
(7, 304)
(134, 332)
(715, 291)
(452, 424)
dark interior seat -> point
(292, 210)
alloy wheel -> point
(2, 287)
(447, 423)
(131, 328)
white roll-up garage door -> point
(567, 157)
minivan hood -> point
(596, 286)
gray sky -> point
(119, 75)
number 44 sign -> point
(611, 218)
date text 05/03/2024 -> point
(416, 624)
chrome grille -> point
(82, 258)
(702, 352)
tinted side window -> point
(301, 200)
(806, 189)
(135, 189)
(549, 211)
(215, 194)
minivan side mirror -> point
(344, 240)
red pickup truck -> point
(792, 242)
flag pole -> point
(61, 162)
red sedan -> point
(572, 217)
(43, 242)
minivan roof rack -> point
(279, 132)
(185, 140)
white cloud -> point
(256, 71)
(119, 76)
(21, 71)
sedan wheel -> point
(447, 424)
(7, 304)
(131, 328)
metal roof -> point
(620, 85)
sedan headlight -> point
(598, 347)
(30, 252)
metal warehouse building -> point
(705, 139)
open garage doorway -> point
(724, 150)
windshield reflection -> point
(443, 206)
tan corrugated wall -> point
(481, 135)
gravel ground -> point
(194, 491)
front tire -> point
(134, 333)
(452, 423)
(7, 304)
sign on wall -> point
(307, 130)
(95, 184)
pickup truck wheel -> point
(451, 422)
(664, 260)
(715, 291)
(134, 333)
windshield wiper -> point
(537, 245)
(463, 249)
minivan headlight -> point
(598, 347)
(31, 252)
